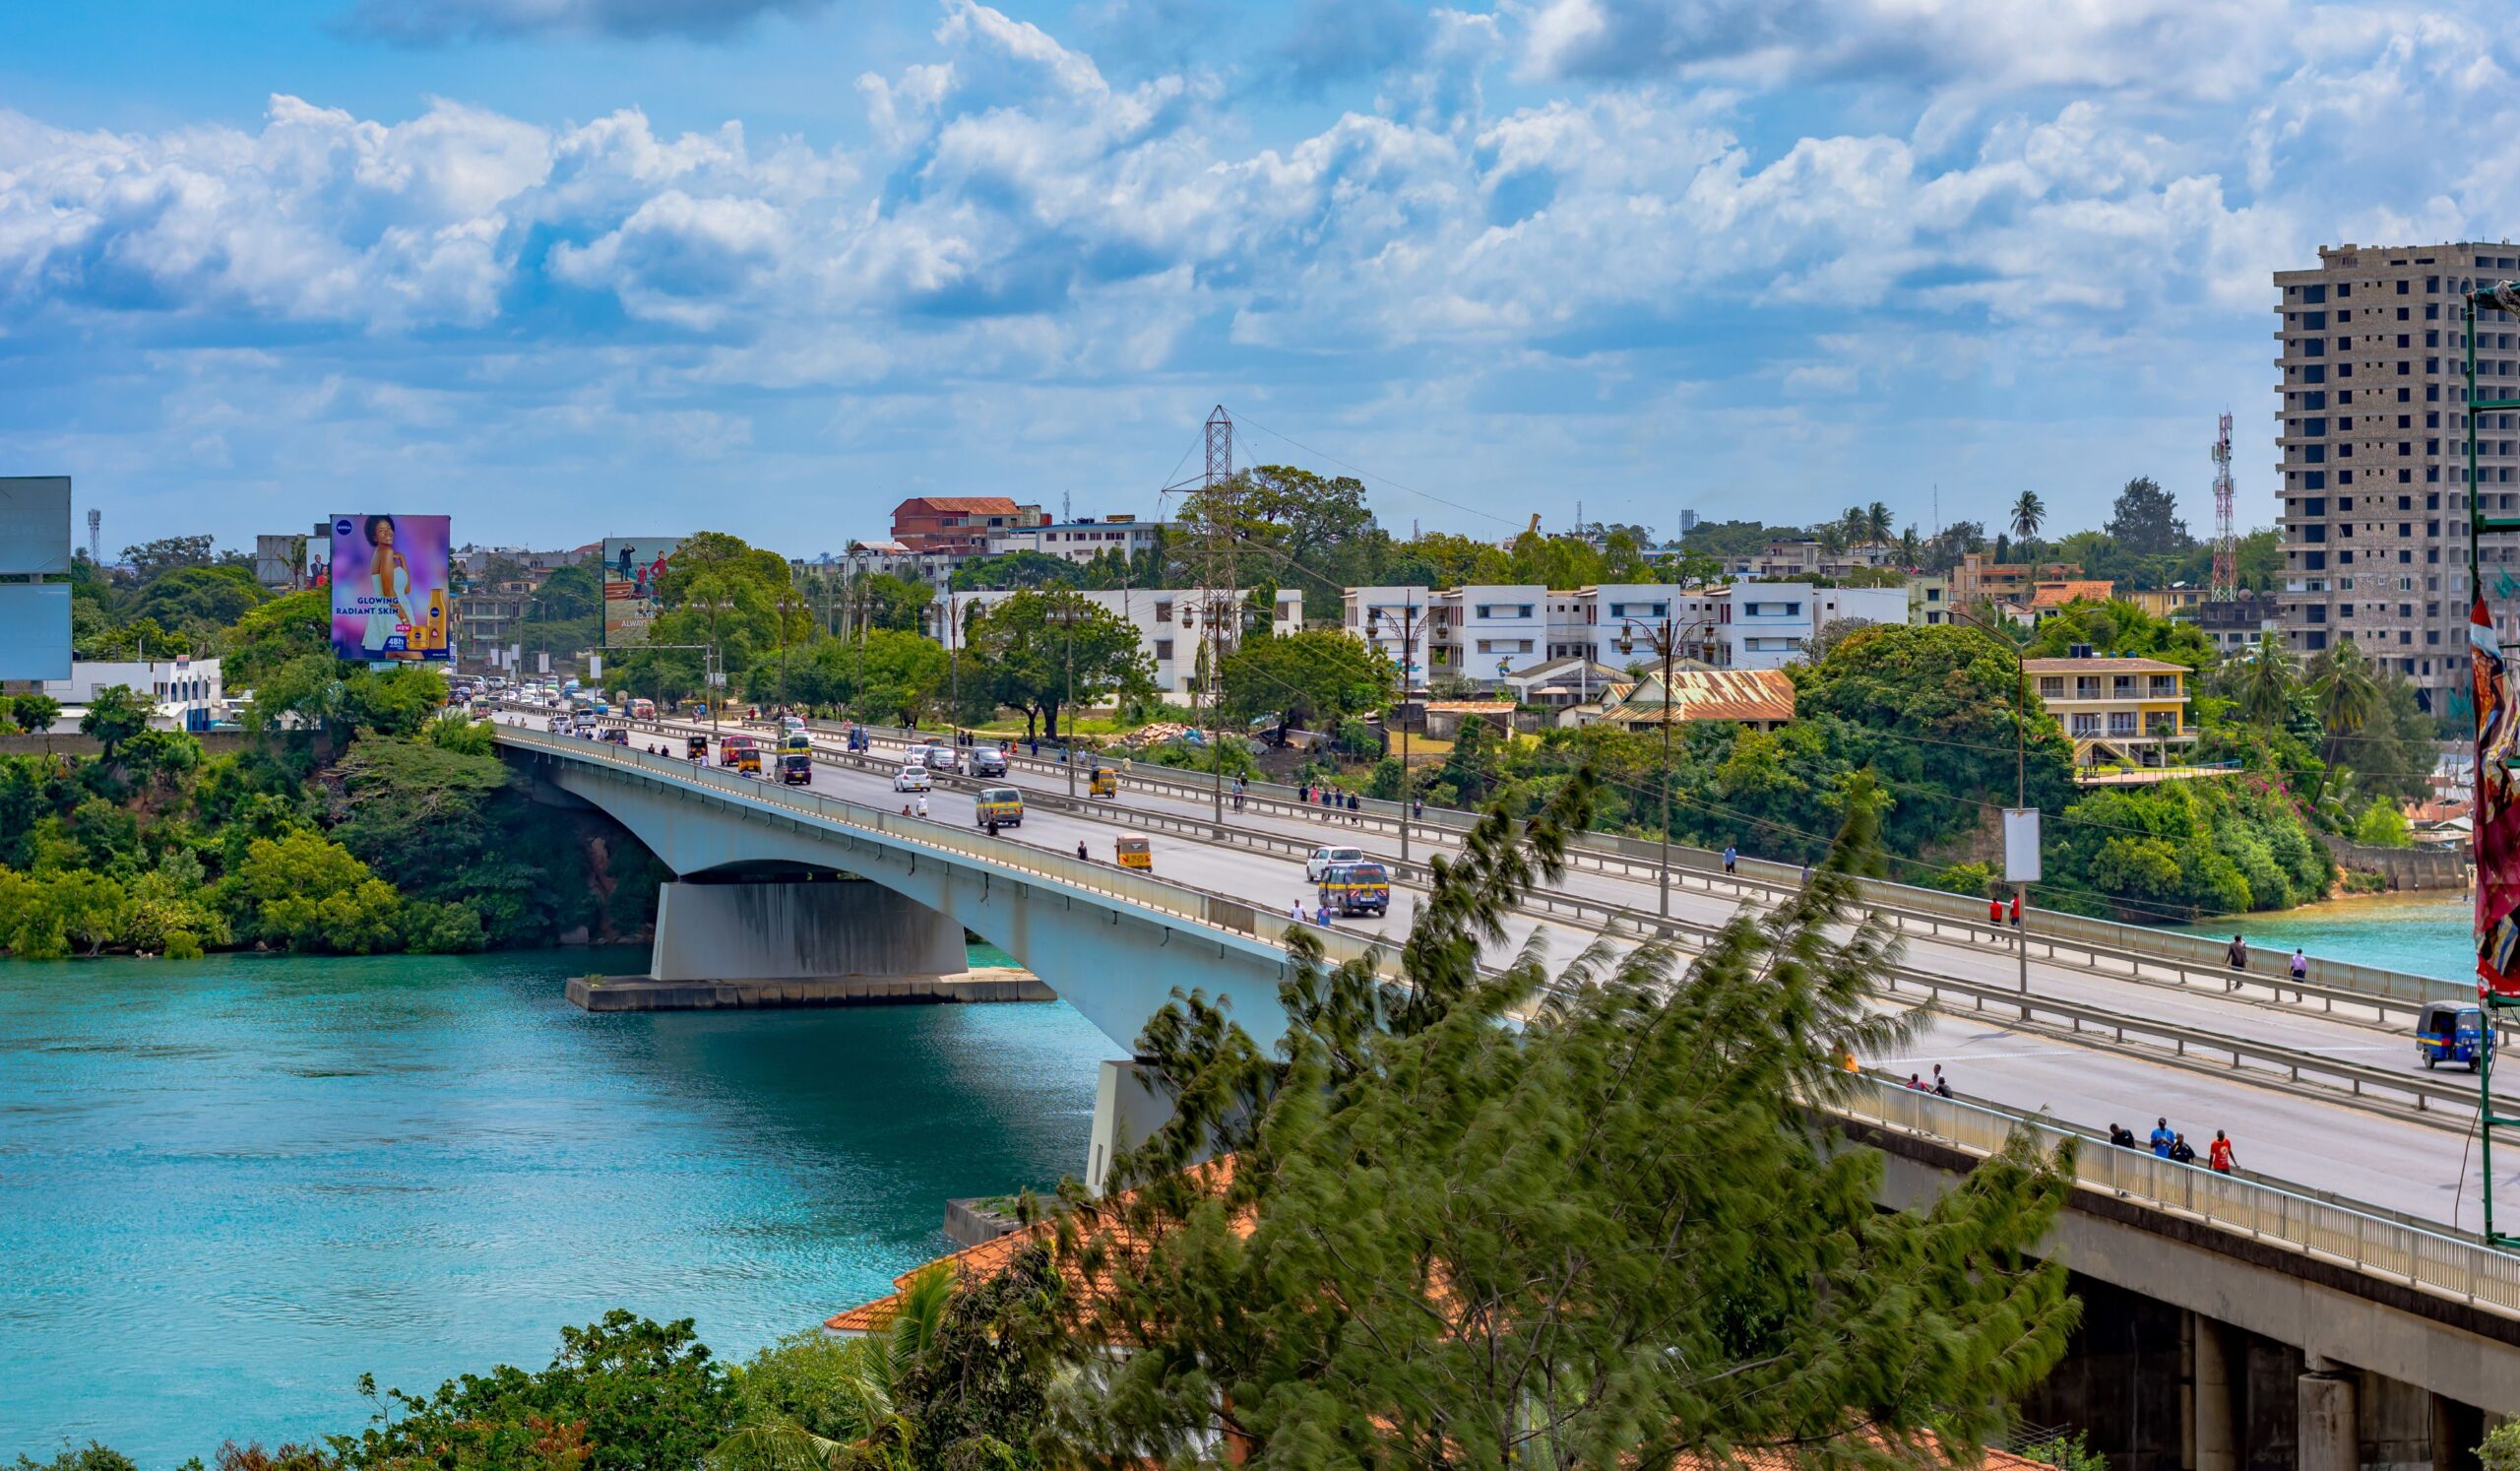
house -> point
(958, 524)
(1771, 624)
(1167, 620)
(1083, 539)
(1979, 578)
(2116, 710)
(2049, 594)
(1558, 683)
(184, 693)
(1759, 699)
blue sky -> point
(569, 268)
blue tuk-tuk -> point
(2448, 1032)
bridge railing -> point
(2102, 943)
(2434, 1261)
(1170, 898)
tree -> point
(1607, 1236)
(1016, 569)
(273, 633)
(35, 713)
(113, 716)
(2345, 691)
(2265, 679)
(623, 1394)
(905, 674)
(2145, 520)
(2029, 513)
(308, 893)
(198, 600)
(1319, 675)
(150, 558)
(1040, 652)
(1877, 524)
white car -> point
(1323, 859)
(911, 779)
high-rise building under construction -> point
(2372, 443)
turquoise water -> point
(229, 1187)
(2424, 935)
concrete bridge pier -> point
(2214, 1445)
(798, 927)
(2329, 1436)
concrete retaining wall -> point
(2404, 868)
(815, 930)
(71, 744)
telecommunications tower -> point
(2225, 544)
(96, 536)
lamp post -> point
(1066, 613)
(789, 607)
(1664, 639)
(713, 669)
(2020, 776)
(1407, 625)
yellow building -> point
(2117, 711)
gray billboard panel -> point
(34, 524)
(34, 630)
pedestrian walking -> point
(1294, 911)
(992, 827)
(1081, 852)
(2163, 1137)
(1995, 911)
(2181, 1152)
(2016, 911)
(1806, 873)
(1730, 855)
(2301, 966)
(2121, 1138)
(1941, 1084)
(922, 807)
(2238, 954)
(1356, 809)
(2219, 1154)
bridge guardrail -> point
(2390, 1246)
(2434, 1261)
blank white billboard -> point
(35, 525)
(34, 630)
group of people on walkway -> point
(1940, 1087)
(2169, 1144)
(1314, 793)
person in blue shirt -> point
(1730, 854)
(2163, 1137)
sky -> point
(565, 268)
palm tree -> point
(2267, 675)
(1876, 522)
(1911, 551)
(2344, 690)
(1833, 537)
(854, 1382)
(2029, 513)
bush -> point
(181, 945)
(2382, 825)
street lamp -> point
(2020, 774)
(1664, 639)
(713, 671)
(1407, 625)
(1066, 611)
(789, 607)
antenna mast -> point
(2226, 542)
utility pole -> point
(1407, 622)
(787, 606)
(1664, 641)
(1217, 498)
(712, 668)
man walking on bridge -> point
(2219, 1154)
(2163, 1137)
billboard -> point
(2497, 817)
(35, 525)
(631, 567)
(391, 598)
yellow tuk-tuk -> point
(696, 748)
(1131, 853)
(1001, 806)
(748, 760)
(1105, 783)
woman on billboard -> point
(390, 579)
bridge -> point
(2342, 1246)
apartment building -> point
(2234, 625)
(958, 524)
(1489, 634)
(2372, 444)
(1979, 578)
(1800, 558)
(184, 693)
(2117, 711)
(1771, 624)
(1083, 539)
(1167, 621)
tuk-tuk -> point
(1103, 783)
(1131, 853)
(1001, 806)
(748, 760)
(1357, 889)
(695, 748)
(858, 738)
(797, 769)
(2448, 1032)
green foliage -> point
(2499, 1453)
(624, 1394)
(267, 637)
(33, 713)
(2145, 520)
(1040, 652)
(2067, 1454)
(1316, 677)
(2382, 825)
(309, 893)
(1437, 1222)
(2178, 851)
(192, 601)
(1976, 879)
(2122, 627)
(114, 716)
(88, 1457)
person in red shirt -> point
(1996, 911)
(2016, 911)
(2219, 1154)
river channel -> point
(229, 1187)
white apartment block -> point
(184, 693)
(2372, 438)
(1167, 620)
(1484, 633)
(1080, 541)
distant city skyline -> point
(568, 268)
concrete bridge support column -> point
(2213, 1444)
(798, 927)
(2330, 1435)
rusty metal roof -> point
(1709, 694)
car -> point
(911, 779)
(1323, 859)
(988, 761)
(944, 760)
